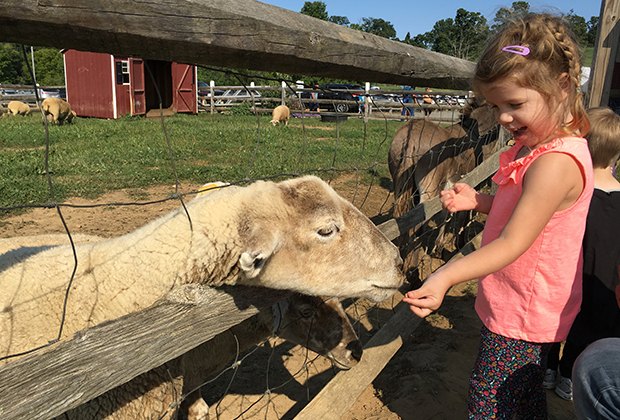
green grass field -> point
(93, 156)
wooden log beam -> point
(242, 34)
(48, 383)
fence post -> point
(283, 92)
(367, 101)
(211, 86)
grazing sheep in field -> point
(281, 113)
(18, 108)
(319, 324)
(297, 235)
(57, 110)
(424, 158)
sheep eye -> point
(326, 232)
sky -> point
(418, 17)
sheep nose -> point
(356, 349)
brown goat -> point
(425, 157)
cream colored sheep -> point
(319, 324)
(280, 114)
(57, 110)
(297, 235)
(18, 108)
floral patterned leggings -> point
(507, 379)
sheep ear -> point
(252, 263)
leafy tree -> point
(49, 67)
(379, 27)
(339, 20)
(462, 37)
(316, 9)
(504, 15)
(592, 29)
(578, 26)
(11, 59)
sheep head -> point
(302, 236)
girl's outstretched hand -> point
(460, 197)
(428, 297)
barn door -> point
(184, 82)
(138, 97)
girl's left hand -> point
(428, 297)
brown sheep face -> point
(320, 324)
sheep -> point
(281, 113)
(57, 110)
(424, 158)
(320, 324)
(18, 108)
(298, 235)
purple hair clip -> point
(517, 49)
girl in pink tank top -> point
(530, 259)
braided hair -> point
(552, 65)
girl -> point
(530, 260)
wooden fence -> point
(78, 370)
(370, 103)
(73, 372)
(262, 99)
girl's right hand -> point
(460, 197)
(428, 297)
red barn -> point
(104, 86)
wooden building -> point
(106, 86)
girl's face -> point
(522, 111)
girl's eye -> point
(516, 106)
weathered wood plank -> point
(47, 384)
(333, 401)
(242, 34)
(605, 51)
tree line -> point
(462, 36)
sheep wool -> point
(280, 114)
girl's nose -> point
(504, 118)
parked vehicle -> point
(340, 92)
(385, 101)
(52, 93)
(9, 93)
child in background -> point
(530, 260)
(599, 316)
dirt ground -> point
(426, 379)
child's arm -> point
(552, 183)
(463, 197)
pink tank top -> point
(537, 297)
